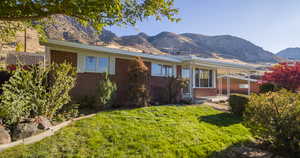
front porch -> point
(205, 83)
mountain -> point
(290, 53)
(224, 46)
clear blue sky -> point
(271, 24)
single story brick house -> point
(92, 61)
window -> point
(203, 78)
(185, 73)
(243, 85)
(161, 70)
(156, 69)
(96, 64)
(197, 77)
(167, 70)
(103, 64)
(90, 64)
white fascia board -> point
(218, 64)
(237, 77)
(53, 43)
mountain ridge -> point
(292, 53)
(219, 46)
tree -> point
(97, 13)
(7, 29)
(138, 89)
(285, 75)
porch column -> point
(249, 84)
(220, 86)
(191, 81)
(228, 86)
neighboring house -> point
(236, 84)
(92, 61)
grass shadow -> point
(221, 119)
(245, 149)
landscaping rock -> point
(4, 136)
(43, 122)
(24, 130)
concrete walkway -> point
(220, 107)
(43, 135)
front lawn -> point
(162, 131)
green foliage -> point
(36, 91)
(238, 103)
(4, 76)
(87, 102)
(160, 131)
(268, 87)
(20, 47)
(138, 89)
(61, 79)
(8, 30)
(97, 13)
(274, 117)
(106, 92)
(68, 111)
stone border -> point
(42, 135)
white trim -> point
(243, 85)
(53, 43)
(97, 70)
(112, 65)
(213, 78)
(174, 70)
(237, 77)
(162, 64)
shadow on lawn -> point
(221, 119)
(244, 149)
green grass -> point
(162, 131)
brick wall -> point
(60, 57)
(234, 86)
(87, 83)
(204, 92)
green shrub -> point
(106, 92)
(268, 87)
(238, 103)
(20, 47)
(4, 76)
(36, 91)
(67, 112)
(88, 101)
(274, 117)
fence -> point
(25, 58)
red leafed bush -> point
(285, 75)
(138, 89)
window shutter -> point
(174, 70)
(112, 65)
(81, 62)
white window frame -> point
(189, 72)
(163, 74)
(97, 70)
(85, 67)
(213, 78)
(243, 86)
